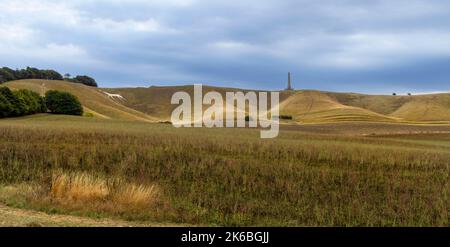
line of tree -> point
(7, 74)
(83, 79)
(16, 103)
(20, 102)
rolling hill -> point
(311, 106)
(94, 100)
(305, 106)
(315, 106)
(419, 108)
(155, 101)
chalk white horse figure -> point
(115, 96)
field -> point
(346, 174)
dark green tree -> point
(43, 105)
(52, 75)
(29, 73)
(18, 107)
(22, 103)
(7, 74)
(86, 80)
(63, 103)
(31, 101)
(6, 109)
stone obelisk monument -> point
(289, 82)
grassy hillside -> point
(153, 103)
(426, 108)
(434, 107)
(311, 106)
(93, 99)
(315, 106)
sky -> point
(372, 46)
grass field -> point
(311, 175)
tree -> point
(86, 80)
(42, 104)
(63, 103)
(6, 109)
(18, 107)
(29, 73)
(30, 101)
(22, 103)
(52, 75)
(7, 74)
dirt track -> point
(23, 218)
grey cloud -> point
(331, 45)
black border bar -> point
(244, 236)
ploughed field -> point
(346, 174)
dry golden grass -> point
(136, 195)
(78, 187)
(86, 188)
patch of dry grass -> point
(78, 187)
(136, 195)
(86, 188)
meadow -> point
(317, 175)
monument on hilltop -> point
(289, 87)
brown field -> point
(345, 174)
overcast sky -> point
(374, 46)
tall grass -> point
(87, 188)
(80, 187)
(231, 177)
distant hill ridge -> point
(305, 106)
